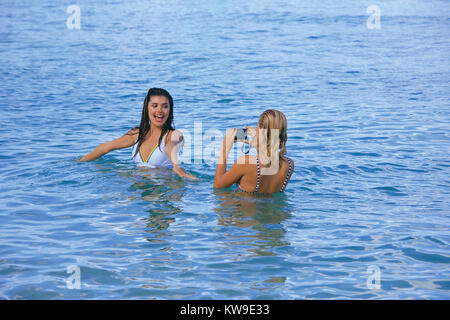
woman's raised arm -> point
(125, 141)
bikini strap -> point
(287, 176)
(257, 182)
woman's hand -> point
(228, 140)
(183, 174)
(251, 132)
(191, 177)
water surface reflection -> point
(264, 215)
(163, 193)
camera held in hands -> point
(241, 134)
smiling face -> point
(158, 110)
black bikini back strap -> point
(257, 182)
(287, 176)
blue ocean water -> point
(368, 116)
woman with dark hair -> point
(156, 142)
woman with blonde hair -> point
(267, 172)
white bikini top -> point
(157, 157)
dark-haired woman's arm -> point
(125, 141)
(173, 146)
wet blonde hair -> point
(273, 122)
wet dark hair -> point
(144, 126)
